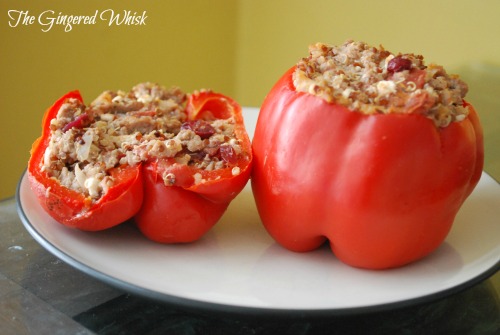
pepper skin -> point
(383, 189)
(183, 212)
(186, 211)
(72, 208)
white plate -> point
(238, 267)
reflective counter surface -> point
(39, 294)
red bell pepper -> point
(72, 208)
(383, 189)
(175, 213)
(184, 212)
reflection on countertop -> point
(39, 294)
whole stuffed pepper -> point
(372, 151)
(170, 160)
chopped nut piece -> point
(235, 171)
(169, 179)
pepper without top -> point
(170, 199)
(382, 188)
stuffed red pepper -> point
(372, 151)
(170, 160)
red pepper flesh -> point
(186, 211)
(165, 213)
(383, 189)
(72, 208)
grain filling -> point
(373, 80)
(145, 124)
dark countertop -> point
(40, 294)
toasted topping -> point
(371, 80)
(145, 124)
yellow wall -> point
(239, 47)
(274, 34)
(186, 43)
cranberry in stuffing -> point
(200, 127)
(398, 64)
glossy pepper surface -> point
(185, 212)
(383, 189)
(164, 213)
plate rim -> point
(211, 307)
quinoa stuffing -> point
(147, 123)
(373, 80)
